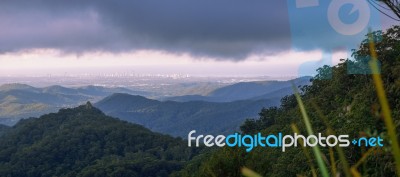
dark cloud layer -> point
(224, 29)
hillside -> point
(3, 129)
(178, 118)
(345, 104)
(21, 101)
(248, 90)
(84, 142)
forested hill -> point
(342, 97)
(85, 142)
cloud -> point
(225, 29)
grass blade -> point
(249, 173)
(387, 115)
(316, 150)
(305, 150)
(344, 163)
(333, 164)
(354, 170)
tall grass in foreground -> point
(387, 116)
(345, 165)
(306, 152)
(316, 150)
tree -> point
(385, 6)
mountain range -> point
(220, 112)
(247, 91)
(179, 118)
(22, 101)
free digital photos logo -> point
(280, 141)
(334, 26)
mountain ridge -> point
(177, 118)
(83, 141)
(255, 90)
(22, 101)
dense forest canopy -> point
(85, 142)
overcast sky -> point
(208, 37)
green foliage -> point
(266, 119)
(350, 106)
(85, 142)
